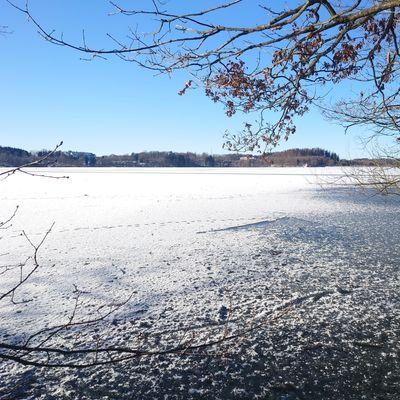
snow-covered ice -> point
(312, 270)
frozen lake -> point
(211, 252)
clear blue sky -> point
(48, 94)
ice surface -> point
(201, 248)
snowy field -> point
(297, 280)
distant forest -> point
(13, 157)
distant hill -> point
(13, 157)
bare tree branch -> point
(39, 162)
(24, 278)
(78, 357)
(3, 225)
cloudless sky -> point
(49, 94)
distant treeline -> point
(12, 157)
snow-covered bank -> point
(188, 245)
